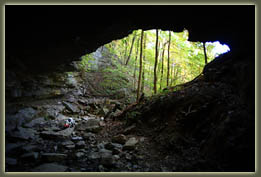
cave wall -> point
(41, 38)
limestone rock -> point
(71, 107)
(79, 154)
(130, 144)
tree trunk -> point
(168, 59)
(162, 65)
(132, 42)
(144, 64)
(156, 62)
(125, 53)
(139, 81)
(135, 67)
(205, 53)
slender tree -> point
(162, 64)
(132, 43)
(135, 66)
(205, 53)
(139, 81)
(144, 64)
(156, 61)
(168, 59)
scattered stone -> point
(100, 146)
(53, 157)
(10, 161)
(142, 139)
(89, 125)
(94, 156)
(121, 139)
(50, 167)
(71, 146)
(116, 157)
(128, 156)
(79, 154)
(101, 168)
(102, 124)
(65, 143)
(71, 107)
(81, 101)
(106, 158)
(66, 133)
(80, 144)
(130, 144)
(68, 145)
(104, 111)
(112, 146)
(77, 138)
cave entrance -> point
(168, 59)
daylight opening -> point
(167, 58)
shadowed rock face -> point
(40, 38)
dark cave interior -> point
(42, 39)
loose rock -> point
(130, 144)
(121, 139)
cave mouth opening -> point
(178, 59)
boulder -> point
(130, 144)
(17, 120)
(89, 125)
(66, 133)
(94, 156)
(68, 145)
(77, 138)
(112, 146)
(79, 154)
(106, 158)
(72, 108)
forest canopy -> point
(156, 59)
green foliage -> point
(86, 63)
(186, 60)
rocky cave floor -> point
(172, 132)
(38, 141)
(92, 145)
